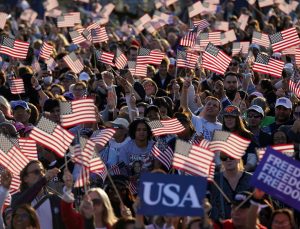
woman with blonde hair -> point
(95, 202)
(5, 108)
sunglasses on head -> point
(225, 158)
(96, 201)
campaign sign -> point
(279, 176)
(171, 195)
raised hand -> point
(68, 179)
(86, 207)
(6, 178)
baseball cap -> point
(231, 111)
(283, 101)
(121, 121)
(19, 103)
(84, 76)
(257, 108)
(240, 197)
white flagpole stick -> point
(221, 191)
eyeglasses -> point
(233, 64)
(225, 158)
(97, 202)
(283, 224)
(23, 216)
(35, 172)
(253, 116)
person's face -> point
(279, 138)
(66, 83)
(239, 216)
(132, 54)
(254, 119)
(21, 219)
(141, 111)
(149, 89)
(55, 115)
(78, 91)
(229, 163)
(230, 122)
(21, 115)
(163, 69)
(212, 108)
(282, 114)
(230, 83)
(120, 132)
(6, 111)
(141, 132)
(297, 112)
(281, 221)
(234, 66)
(137, 167)
(97, 202)
(153, 115)
(163, 110)
(186, 132)
(56, 91)
(34, 172)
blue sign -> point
(279, 176)
(171, 195)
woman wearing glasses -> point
(33, 191)
(94, 209)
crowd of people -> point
(255, 106)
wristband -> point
(38, 88)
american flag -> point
(73, 62)
(52, 136)
(243, 21)
(99, 35)
(86, 33)
(189, 39)
(200, 24)
(46, 51)
(297, 57)
(83, 152)
(162, 152)
(215, 60)
(264, 3)
(131, 67)
(28, 148)
(69, 19)
(228, 36)
(163, 127)
(242, 47)
(149, 27)
(3, 17)
(211, 174)
(119, 169)
(107, 10)
(51, 64)
(192, 158)
(77, 112)
(29, 15)
(77, 37)
(114, 170)
(160, 15)
(186, 59)
(36, 66)
(295, 87)
(140, 70)
(105, 57)
(10, 155)
(17, 86)
(221, 25)
(229, 143)
(101, 137)
(260, 39)
(83, 177)
(98, 167)
(213, 37)
(195, 9)
(287, 149)
(284, 39)
(50, 4)
(290, 51)
(133, 187)
(147, 56)
(120, 59)
(267, 65)
(139, 24)
(14, 48)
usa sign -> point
(171, 195)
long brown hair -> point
(34, 221)
(240, 128)
(23, 185)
